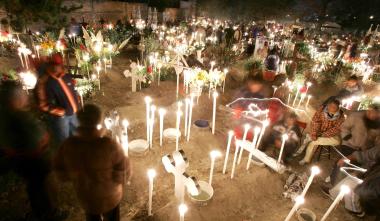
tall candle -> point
(234, 162)
(299, 201)
(215, 95)
(148, 101)
(246, 129)
(213, 154)
(179, 113)
(230, 135)
(314, 171)
(285, 137)
(298, 91)
(190, 117)
(254, 141)
(182, 210)
(265, 125)
(308, 100)
(162, 113)
(303, 95)
(152, 109)
(344, 189)
(151, 175)
(187, 104)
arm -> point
(371, 155)
(316, 125)
(45, 97)
(121, 165)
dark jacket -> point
(97, 166)
(56, 95)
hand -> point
(314, 138)
(341, 162)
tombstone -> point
(176, 164)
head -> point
(373, 112)
(255, 83)
(12, 96)
(291, 119)
(352, 81)
(333, 106)
(90, 116)
(55, 65)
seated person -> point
(325, 129)
(272, 60)
(287, 126)
(365, 195)
(352, 88)
(254, 89)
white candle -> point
(215, 95)
(308, 100)
(308, 84)
(299, 201)
(230, 135)
(225, 76)
(303, 95)
(246, 129)
(285, 137)
(213, 155)
(21, 59)
(187, 104)
(148, 101)
(265, 125)
(234, 162)
(182, 210)
(190, 116)
(298, 91)
(152, 109)
(289, 97)
(162, 113)
(179, 113)
(344, 189)
(81, 98)
(254, 141)
(314, 171)
(151, 175)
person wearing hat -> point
(58, 98)
(96, 165)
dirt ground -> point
(254, 195)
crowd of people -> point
(69, 144)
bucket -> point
(171, 134)
(304, 214)
(138, 147)
(202, 125)
(205, 195)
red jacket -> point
(321, 126)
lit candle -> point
(230, 135)
(344, 189)
(182, 210)
(308, 84)
(299, 201)
(187, 105)
(314, 171)
(81, 97)
(285, 137)
(21, 59)
(190, 117)
(151, 175)
(246, 129)
(162, 113)
(124, 137)
(98, 68)
(265, 125)
(213, 154)
(148, 101)
(298, 91)
(215, 95)
(179, 113)
(254, 141)
(152, 109)
(308, 100)
(303, 95)
(234, 162)
(225, 76)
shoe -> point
(302, 162)
(357, 214)
(326, 190)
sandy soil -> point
(254, 195)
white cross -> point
(177, 164)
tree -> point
(22, 13)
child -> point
(287, 126)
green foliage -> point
(117, 36)
(303, 49)
(11, 75)
(167, 73)
(151, 44)
(251, 65)
(25, 12)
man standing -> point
(96, 165)
(325, 128)
(56, 96)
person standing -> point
(24, 147)
(96, 165)
(58, 98)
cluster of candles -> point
(300, 96)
